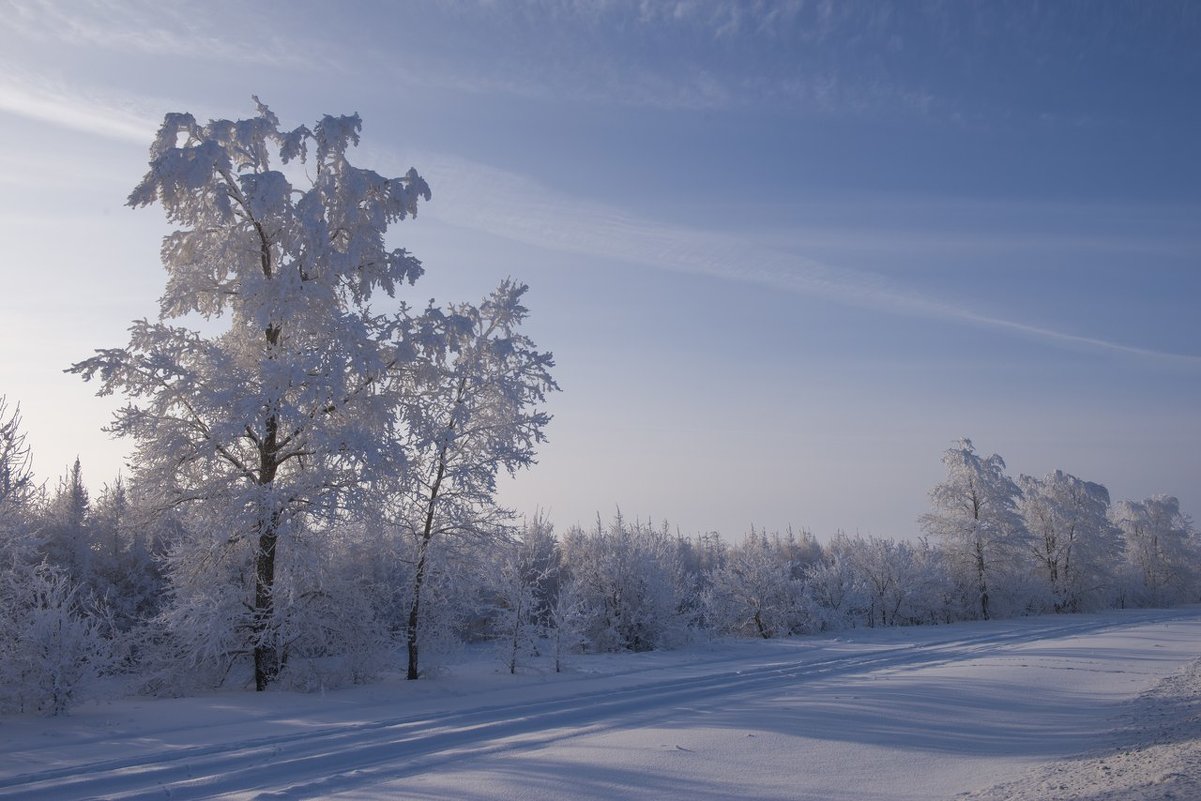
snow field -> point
(915, 713)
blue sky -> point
(785, 253)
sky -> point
(785, 254)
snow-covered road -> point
(890, 714)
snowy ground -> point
(985, 711)
(1155, 754)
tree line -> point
(116, 592)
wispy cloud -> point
(685, 55)
(694, 54)
(45, 101)
(515, 208)
(216, 32)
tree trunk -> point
(267, 659)
(427, 534)
(266, 656)
(515, 640)
(983, 581)
(763, 632)
(415, 607)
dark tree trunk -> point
(266, 656)
(980, 568)
(763, 632)
(267, 659)
(415, 608)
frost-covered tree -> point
(16, 476)
(54, 649)
(834, 593)
(567, 619)
(65, 527)
(125, 552)
(1075, 546)
(471, 414)
(18, 494)
(1160, 549)
(632, 585)
(52, 632)
(899, 580)
(519, 612)
(331, 628)
(290, 414)
(18, 556)
(754, 590)
(975, 518)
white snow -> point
(908, 713)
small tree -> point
(567, 617)
(292, 412)
(18, 556)
(518, 611)
(476, 412)
(55, 649)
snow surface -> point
(980, 711)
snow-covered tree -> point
(331, 628)
(834, 594)
(1075, 546)
(53, 643)
(975, 518)
(519, 613)
(754, 591)
(65, 535)
(1160, 549)
(16, 477)
(18, 556)
(54, 649)
(291, 413)
(938, 600)
(471, 414)
(125, 571)
(17, 498)
(567, 619)
(633, 587)
(896, 578)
